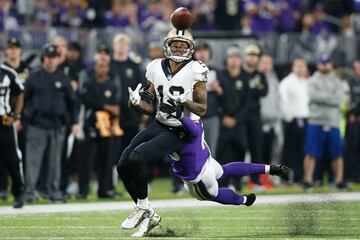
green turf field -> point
(161, 189)
(297, 221)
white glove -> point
(180, 99)
(134, 96)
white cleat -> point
(147, 225)
(136, 217)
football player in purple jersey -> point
(201, 172)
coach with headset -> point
(50, 101)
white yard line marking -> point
(177, 203)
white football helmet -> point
(179, 35)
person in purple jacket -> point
(201, 172)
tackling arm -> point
(190, 128)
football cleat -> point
(342, 186)
(282, 171)
(250, 199)
(136, 217)
(18, 202)
(308, 187)
(147, 225)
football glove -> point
(134, 96)
(172, 109)
(147, 96)
(180, 99)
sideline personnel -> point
(10, 155)
(50, 99)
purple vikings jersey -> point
(194, 154)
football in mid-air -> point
(181, 18)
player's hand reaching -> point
(134, 96)
(172, 109)
(180, 99)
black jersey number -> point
(174, 90)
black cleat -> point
(308, 187)
(18, 202)
(250, 199)
(342, 186)
(3, 196)
(282, 171)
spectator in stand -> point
(263, 14)
(42, 16)
(305, 45)
(203, 12)
(320, 25)
(154, 18)
(121, 15)
(246, 26)
(228, 14)
(9, 18)
(295, 111)
(150, 15)
(352, 135)
(72, 14)
(270, 109)
(326, 93)
(290, 15)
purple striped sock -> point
(228, 196)
(239, 169)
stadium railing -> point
(283, 47)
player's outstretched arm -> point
(137, 103)
(199, 105)
(190, 128)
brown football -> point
(181, 18)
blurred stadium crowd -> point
(248, 16)
(71, 138)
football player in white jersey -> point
(175, 78)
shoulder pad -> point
(199, 67)
(152, 64)
(151, 68)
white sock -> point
(267, 169)
(245, 199)
(143, 203)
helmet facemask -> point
(178, 35)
